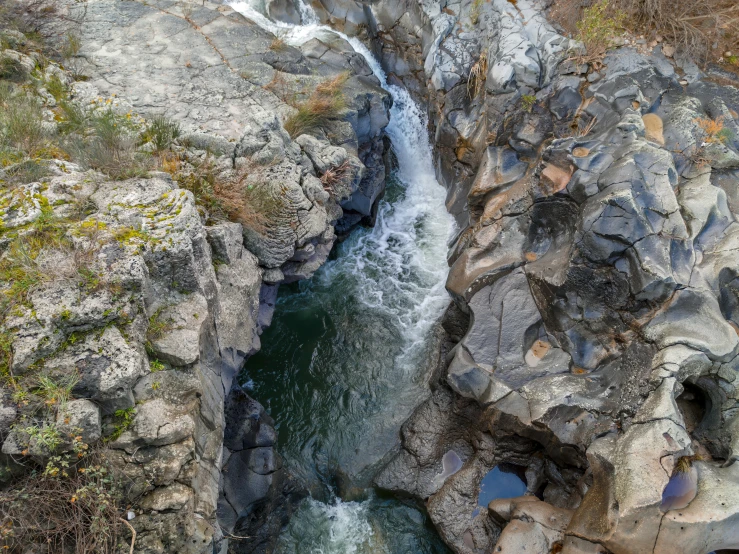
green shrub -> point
(122, 421)
(527, 102)
(161, 132)
(45, 437)
(596, 29)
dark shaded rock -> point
(258, 495)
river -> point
(345, 360)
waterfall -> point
(396, 272)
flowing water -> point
(345, 360)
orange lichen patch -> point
(540, 348)
(530, 256)
(579, 370)
(580, 152)
(463, 147)
(554, 178)
(654, 128)
(635, 104)
(169, 163)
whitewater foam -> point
(401, 263)
(398, 269)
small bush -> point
(324, 104)
(72, 506)
(161, 132)
(694, 26)
(122, 421)
(597, 27)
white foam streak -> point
(337, 528)
(401, 263)
(399, 266)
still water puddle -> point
(503, 481)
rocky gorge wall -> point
(153, 348)
(592, 341)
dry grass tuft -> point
(582, 131)
(280, 87)
(477, 76)
(335, 176)
(327, 102)
(333, 86)
(278, 45)
(241, 196)
(713, 130)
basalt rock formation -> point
(592, 339)
(593, 328)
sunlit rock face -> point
(197, 456)
(594, 271)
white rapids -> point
(400, 268)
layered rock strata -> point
(156, 344)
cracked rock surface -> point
(594, 339)
(156, 343)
